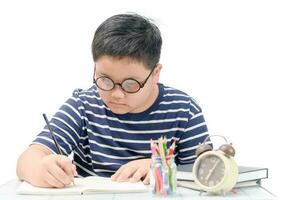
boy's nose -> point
(117, 92)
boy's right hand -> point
(54, 171)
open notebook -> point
(88, 185)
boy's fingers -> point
(117, 173)
(52, 181)
(68, 169)
(66, 164)
(137, 176)
(59, 174)
(146, 180)
(74, 170)
(126, 173)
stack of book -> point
(248, 176)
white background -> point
(237, 58)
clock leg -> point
(223, 193)
(201, 192)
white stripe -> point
(172, 102)
(187, 158)
(51, 141)
(196, 115)
(193, 137)
(62, 138)
(186, 162)
(134, 122)
(95, 105)
(90, 104)
(123, 140)
(85, 156)
(174, 94)
(68, 126)
(65, 132)
(89, 96)
(82, 91)
(104, 170)
(189, 148)
(86, 136)
(87, 146)
(191, 113)
(105, 163)
(119, 148)
(73, 109)
(136, 131)
(46, 138)
(177, 139)
(91, 91)
(86, 170)
(83, 159)
(69, 116)
(170, 110)
(93, 161)
(194, 100)
(116, 157)
(169, 88)
(195, 107)
(196, 126)
(75, 99)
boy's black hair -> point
(128, 35)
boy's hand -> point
(55, 171)
(134, 171)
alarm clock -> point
(215, 171)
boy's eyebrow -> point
(101, 73)
(104, 74)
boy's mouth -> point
(117, 104)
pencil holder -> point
(163, 175)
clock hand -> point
(211, 170)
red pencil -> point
(171, 149)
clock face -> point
(210, 171)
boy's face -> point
(118, 70)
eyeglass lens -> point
(128, 85)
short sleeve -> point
(194, 133)
(67, 127)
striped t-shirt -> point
(102, 141)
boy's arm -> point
(40, 167)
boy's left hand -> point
(133, 171)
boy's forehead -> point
(117, 66)
(124, 60)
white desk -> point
(7, 192)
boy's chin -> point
(119, 111)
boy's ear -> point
(156, 72)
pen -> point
(53, 136)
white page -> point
(95, 184)
(91, 184)
(26, 188)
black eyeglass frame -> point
(141, 85)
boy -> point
(109, 126)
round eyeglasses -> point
(129, 85)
